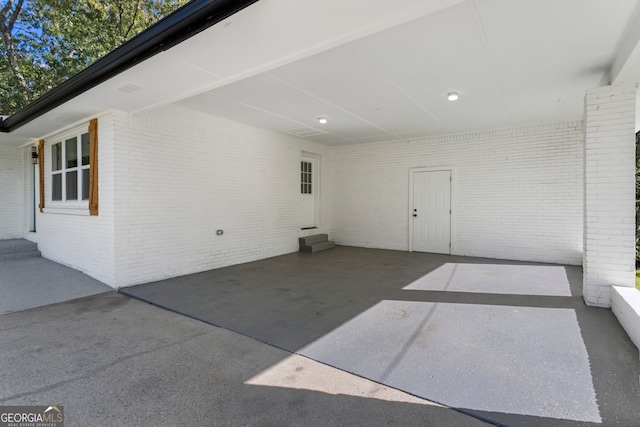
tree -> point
(44, 42)
(8, 18)
(14, 86)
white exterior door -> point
(431, 211)
(309, 191)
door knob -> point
(415, 215)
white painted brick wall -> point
(625, 304)
(12, 207)
(181, 175)
(609, 192)
(81, 241)
(518, 192)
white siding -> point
(518, 192)
(12, 199)
(182, 175)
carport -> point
(208, 126)
(206, 121)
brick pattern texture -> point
(170, 178)
(12, 201)
(609, 192)
(517, 192)
(74, 238)
(182, 175)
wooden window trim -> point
(41, 172)
(93, 170)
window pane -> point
(71, 179)
(56, 186)
(85, 184)
(71, 154)
(84, 139)
(56, 156)
(305, 177)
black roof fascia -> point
(180, 25)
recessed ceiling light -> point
(322, 120)
(452, 96)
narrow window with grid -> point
(305, 178)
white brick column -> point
(609, 192)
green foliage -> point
(55, 39)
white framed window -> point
(70, 169)
(305, 177)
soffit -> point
(378, 70)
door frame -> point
(452, 227)
(32, 186)
(314, 158)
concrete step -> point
(320, 246)
(310, 240)
(19, 255)
(13, 249)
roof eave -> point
(182, 24)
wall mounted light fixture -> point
(452, 96)
(34, 155)
(323, 120)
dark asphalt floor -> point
(463, 332)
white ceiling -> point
(380, 70)
(512, 62)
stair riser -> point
(310, 240)
(318, 247)
(12, 249)
(19, 255)
(15, 249)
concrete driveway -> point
(524, 351)
(112, 361)
(35, 282)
